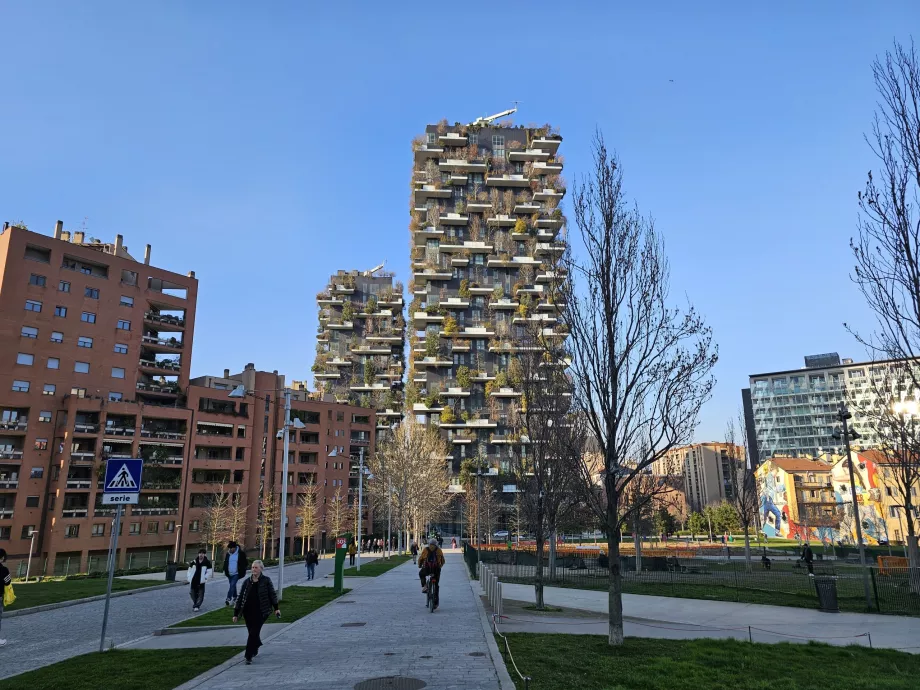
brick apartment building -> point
(96, 349)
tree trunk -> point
(637, 541)
(615, 586)
(552, 556)
(747, 547)
(538, 574)
(913, 553)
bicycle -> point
(432, 598)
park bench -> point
(852, 558)
(675, 566)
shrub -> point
(464, 291)
(520, 226)
(463, 376)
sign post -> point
(122, 487)
(341, 545)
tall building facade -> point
(485, 226)
(97, 349)
(360, 342)
(794, 411)
(84, 327)
(705, 469)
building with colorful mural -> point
(806, 498)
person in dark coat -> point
(808, 556)
(256, 601)
(235, 568)
(5, 581)
(199, 572)
(312, 558)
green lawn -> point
(588, 663)
(377, 567)
(297, 603)
(129, 669)
(38, 593)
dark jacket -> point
(242, 565)
(268, 599)
(5, 580)
(312, 557)
(807, 554)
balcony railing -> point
(163, 433)
(9, 483)
(18, 425)
(84, 428)
(6, 513)
(168, 388)
(79, 484)
(164, 318)
(8, 454)
(167, 364)
(119, 431)
(154, 510)
(165, 342)
(75, 512)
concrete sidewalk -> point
(673, 617)
(382, 629)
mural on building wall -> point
(829, 516)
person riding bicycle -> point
(430, 562)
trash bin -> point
(826, 588)
(171, 572)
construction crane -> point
(368, 274)
(492, 118)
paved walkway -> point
(672, 617)
(39, 639)
(380, 629)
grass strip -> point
(377, 567)
(55, 591)
(297, 603)
(123, 669)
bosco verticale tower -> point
(486, 227)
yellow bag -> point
(8, 596)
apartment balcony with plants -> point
(360, 339)
(485, 229)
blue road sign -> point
(122, 481)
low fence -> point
(893, 590)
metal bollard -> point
(498, 603)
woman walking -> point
(256, 602)
(5, 581)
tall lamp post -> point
(905, 409)
(491, 472)
(334, 454)
(241, 392)
(843, 415)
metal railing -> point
(894, 590)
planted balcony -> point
(86, 423)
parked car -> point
(501, 534)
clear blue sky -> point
(264, 145)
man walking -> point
(235, 567)
(808, 556)
(352, 550)
(311, 559)
(199, 571)
(5, 581)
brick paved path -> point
(399, 637)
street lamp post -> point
(334, 454)
(31, 550)
(843, 415)
(240, 392)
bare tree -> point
(237, 519)
(641, 368)
(741, 478)
(338, 513)
(547, 438)
(216, 514)
(307, 516)
(268, 517)
(887, 251)
(411, 462)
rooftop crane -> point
(374, 269)
(492, 118)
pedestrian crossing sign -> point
(122, 481)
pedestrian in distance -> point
(257, 601)
(808, 556)
(6, 590)
(413, 549)
(235, 567)
(199, 572)
(311, 559)
(352, 550)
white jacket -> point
(205, 576)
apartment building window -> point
(153, 528)
(241, 431)
(29, 332)
(473, 138)
(73, 531)
(36, 473)
(88, 317)
(169, 526)
(432, 138)
(118, 373)
(83, 341)
(81, 367)
(123, 325)
(60, 311)
(44, 416)
(57, 337)
(115, 397)
(63, 286)
(121, 349)
(892, 512)
(99, 530)
(53, 363)
(5, 533)
(38, 280)
(135, 528)
(21, 386)
(91, 293)
(49, 389)
(240, 453)
(31, 501)
(498, 145)
(126, 301)
(25, 359)
(27, 531)
(33, 305)
(194, 526)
